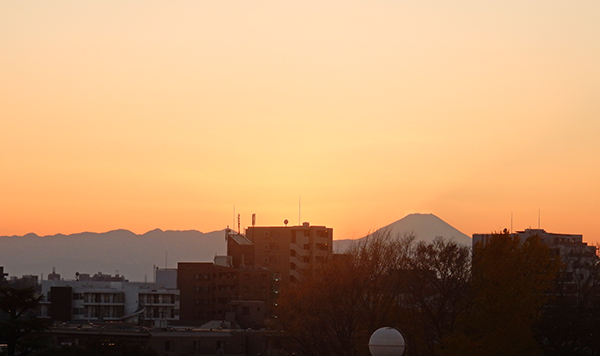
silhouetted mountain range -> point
(120, 250)
(425, 227)
(135, 255)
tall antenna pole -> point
(299, 210)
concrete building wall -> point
(111, 301)
(166, 277)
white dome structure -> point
(386, 342)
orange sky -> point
(143, 115)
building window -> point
(267, 233)
(266, 260)
(197, 276)
(267, 247)
(321, 233)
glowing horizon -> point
(129, 115)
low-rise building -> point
(108, 300)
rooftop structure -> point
(108, 300)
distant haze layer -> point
(118, 251)
(134, 256)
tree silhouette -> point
(571, 321)
(437, 294)
(19, 304)
(383, 280)
(510, 284)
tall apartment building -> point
(242, 287)
(291, 252)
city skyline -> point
(137, 116)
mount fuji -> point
(425, 227)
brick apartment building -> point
(242, 287)
(213, 292)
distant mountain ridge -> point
(132, 255)
(425, 227)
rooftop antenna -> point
(239, 219)
(253, 219)
(299, 209)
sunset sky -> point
(167, 114)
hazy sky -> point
(148, 114)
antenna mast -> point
(299, 210)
